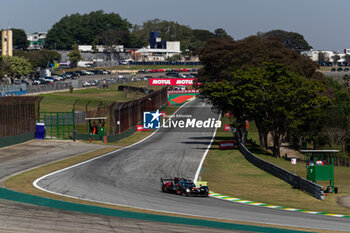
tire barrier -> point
(296, 181)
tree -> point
(20, 39)
(335, 58)
(74, 56)
(322, 57)
(276, 98)
(220, 32)
(39, 58)
(168, 31)
(291, 40)
(83, 29)
(112, 37)
(222, 56)
(15, 67)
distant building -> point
(36, 40)
(100, 48)
(158, 50)
(326, 55)
(7, 42)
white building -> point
(328, 55)
(148, 54)
(100, 48)
(36, 40)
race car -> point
(182, 186)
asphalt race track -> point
(131, 177)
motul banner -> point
(171, 81)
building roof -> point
(145, 50)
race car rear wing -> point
(172, 180)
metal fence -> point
(123, 116)
(58, 125)
(18, 115)
(128, 114)
(14, 89)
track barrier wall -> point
(296, 181)
(12, 140)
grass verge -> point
(63, 101)
(229, 173)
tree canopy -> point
(191, 39)
(291, 40)
(74, 56)
(222, 56)
(83, 29)
(39, 58)
(276, 98)
(261, 79)
(14, 67)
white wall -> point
(173, 46)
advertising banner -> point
(171, 81)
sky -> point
(323, 23)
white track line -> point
(205, 154)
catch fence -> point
(119, 117)
(18, 115)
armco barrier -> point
(11, 140)
(294, 180)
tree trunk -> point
(262, 134)
(276, 144)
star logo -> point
(151, 120)
(156, 115)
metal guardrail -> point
(294, 180)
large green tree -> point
(168, 31)
(74, 56)
(83, 29)
(15, 67)
(39, 58)
(276, 98)
(222, 56)
(291, 40)
(191, 39)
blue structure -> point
(153, 41)
(40, 131)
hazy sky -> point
(324, 23)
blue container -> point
(40, 131)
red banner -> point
(227, 127)
(171, 81)
(226, 145)
(140, 128)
